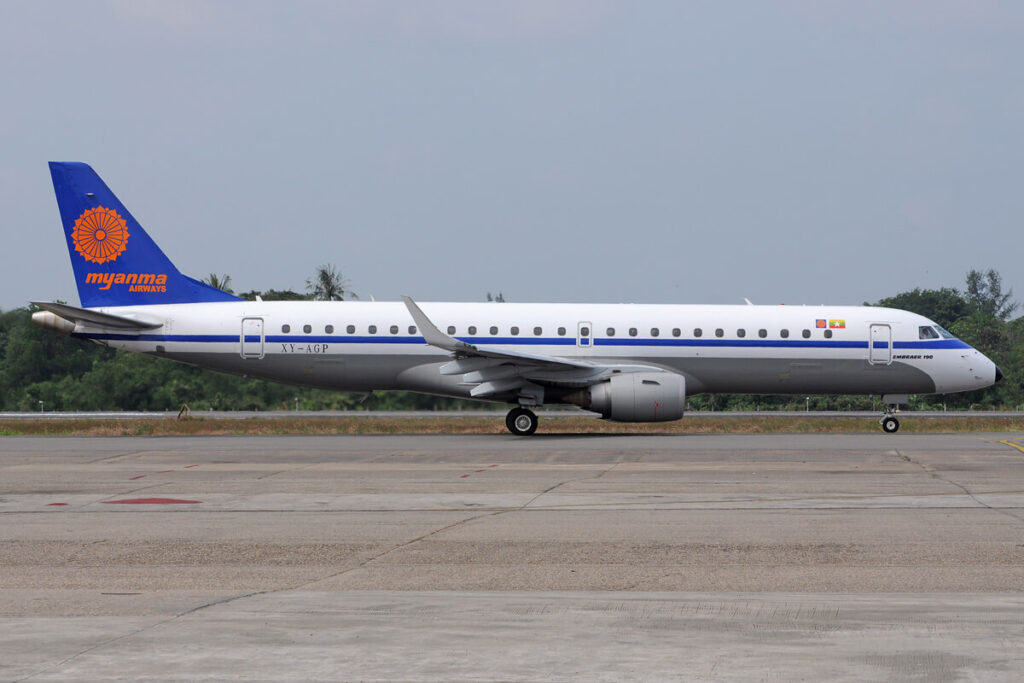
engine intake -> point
(635, 397)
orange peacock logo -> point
(100, 235)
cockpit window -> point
(926, 332)
(946, 334)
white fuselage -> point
(359, 346)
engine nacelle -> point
(636, 397)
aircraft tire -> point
(521, 422)
(890, 425)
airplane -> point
(626, 362)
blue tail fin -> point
(115, 261)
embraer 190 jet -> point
(629, 363)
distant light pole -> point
(42, 408)
(808, 399)
(296, 404)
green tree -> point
(327, 284)
(985, 294)
(945, 306)
(221, 282)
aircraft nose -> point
(999, 374)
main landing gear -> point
(890, 425)
(521, 422)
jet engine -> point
(635, 397)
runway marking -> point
(476, 471)
(1007, 442)
(151, 501)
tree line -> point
(42, 370)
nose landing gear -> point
(521, 421)
(890, 425)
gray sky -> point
(661, 152)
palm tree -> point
(221, 282)
(327, 284)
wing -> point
(494, 373)
(92, 318)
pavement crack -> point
(932, 472)
(142, 629)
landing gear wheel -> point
(890, 425)
(521, 422)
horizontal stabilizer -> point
(97, 319)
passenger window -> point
(351, 329)
(925, 332)
(806, 334)
(307, 328)
(632, 332)
(372, 329)
(329, 329)
(472, 329)
(676, 332)
(655, 332)
(394, 329)
(784, 334)
(584, 331)
(610, 331)
(537, 331)
(514, 331)
(412, 329)
(828, 334)
(719, 332)
(561, 331)
(286, 328)
(697, 332)
(762, 333)
(494, 331)
(451, 329)
(741, 333)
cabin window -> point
(719, 332)
(632, 332)
(762, 333)
(584, 331)
(806, 334)
(926, 332)
(828, 334)
(472, 329)
(514, 331)
(537, 331)
(372, 329)
(412, 329)
(286, 328)
(329, 329)
(784, 334)
(494, 330)
(351, 329)
(610, 331)
(741, 333)
(697, 332)
(307, 328)
(655, 332)
(676, 332)
(451, 329)
(394, 329)
(561, 331)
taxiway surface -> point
(494, 557)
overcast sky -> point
(662, 152)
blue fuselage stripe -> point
(535, 341)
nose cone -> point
(999, 374)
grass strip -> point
(495, 425)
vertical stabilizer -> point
(115, 261)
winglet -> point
(431, 334)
